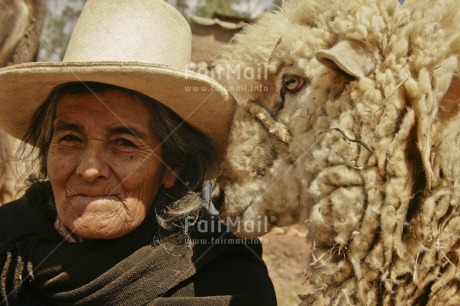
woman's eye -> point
(292, 82)
(69, 139)
(124, 143)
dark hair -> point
(183, 146)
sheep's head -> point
(282, 84)
(260, 178)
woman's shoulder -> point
(25, 215)
(228, 266)
(239, 273)
(14, 217)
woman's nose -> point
(92, 164)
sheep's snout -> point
(240, 211)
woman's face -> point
(104, 163)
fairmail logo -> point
(261, 224)
(236, 72)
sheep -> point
(355, 130)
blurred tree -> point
(206, 8)
(182, 6)
(62, 17)
(240, 8)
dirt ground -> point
(285, 253)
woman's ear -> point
(171, 176)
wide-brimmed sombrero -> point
(142, 45)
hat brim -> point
(198, 99)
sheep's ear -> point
(348, 57)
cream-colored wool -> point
(366, 152)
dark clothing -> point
(38, 267)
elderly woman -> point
(114, 215)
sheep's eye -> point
(293, 82)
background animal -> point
(6, 173)
(355, 130)
(21, 22)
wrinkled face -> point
(104, 163)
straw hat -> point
(143, 45)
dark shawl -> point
(39, 268)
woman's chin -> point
(94, 204)
(96, 225)
(101, 217)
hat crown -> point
(148, 31)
